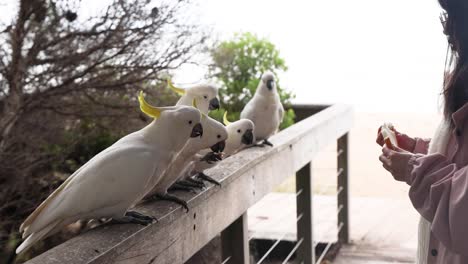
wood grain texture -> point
(245, 178)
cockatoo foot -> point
(179, 187)
(132, 217)
(190, 184)
(256, 145)
(175, 199)
(138, 215)
(195, 181)
(207, 178)
(266, 142)
(212, 157)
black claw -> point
(175, 199)
(192, 184)
(196, 182)
(180, 187)
(207, 178)
(141, 216)
(128, 219)
(266, 142)
(151, 198)
(256, 146)
(212, 157)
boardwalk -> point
(382, 230)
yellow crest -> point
(194, 104)
(148, 109)
(225, 120)
(179, 91)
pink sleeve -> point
(439, 191)
(421, 146)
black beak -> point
(197, 131)
(218, 147)
(248, 137)
(270, 84)
(214, 104)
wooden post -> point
(343, 195)
(235, 242)
(306, 251)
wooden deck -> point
(382, 230)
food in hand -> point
(389, 135)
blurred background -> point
(70, 70)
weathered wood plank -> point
(303, 111)
(367, 254)
(245, 179)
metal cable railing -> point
(277, 242)
(327, 247)
(300, 241)
(226, 260)
(298, 244)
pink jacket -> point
(439, 192)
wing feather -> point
(118, 154)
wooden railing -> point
(246, 178)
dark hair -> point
(455, 88)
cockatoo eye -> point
(206, 97)
(190, 122)
(219, 136)
(239, 131)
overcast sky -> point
(378, 55)
(384, 56)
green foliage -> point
(87, 148)
(88, 136)
(85, 141)
(238, 65)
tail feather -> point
(28, 222)
(36, 236)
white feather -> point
(213, 132)
(202, 94)
(264, 109)
(236, 131)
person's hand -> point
(396, 161)
(405, 142)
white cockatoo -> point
(240, 135)
(118, 177)
(214, 137)
(265, 109)
(206, 96)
